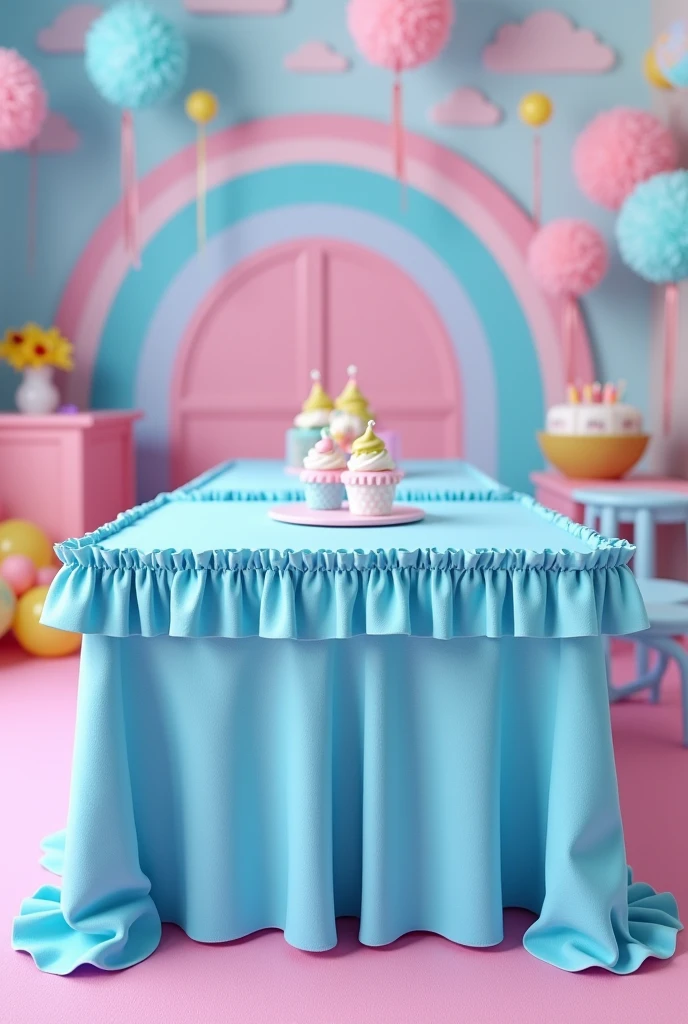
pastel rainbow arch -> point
(192, 292)
(323, 146)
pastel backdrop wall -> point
(502, 340)
(670, 454)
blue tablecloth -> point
(438, 750)
(267, 479)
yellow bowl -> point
(586, 457)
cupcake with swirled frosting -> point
(322, 474)
(371, 477)
(305, 432)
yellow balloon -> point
(652, 71)
(535, 109)
(8, 603)
(201, 106)
(36, 638)
(19, 537)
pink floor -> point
(262, 980)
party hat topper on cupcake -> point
(351, 400)
(318, 397)
(369, 443)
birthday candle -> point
(597, 392)
(609, 394)
(621, 390)
(572, 394)
(587, 394)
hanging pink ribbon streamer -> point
(130, 191)
(32, 226)
(570, 331)
(537, 179)
(398, 132)
(670, 343)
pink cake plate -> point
(299, 514)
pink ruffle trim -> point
(379, 478)
(321, 476)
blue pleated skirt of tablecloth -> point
(232, 785)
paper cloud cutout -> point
(466, 107)
(547, 43)
(68, 31)
(236, 6)
(316, 57)
(56, 136)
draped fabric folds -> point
(230, 786)
(230, 777)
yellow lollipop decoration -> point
(535, 110)
(652, 71)
(201, 107)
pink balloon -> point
(618, 150)
(46, 575)
(19, 572)
(23, 102)
(567, 257)
(400, 34)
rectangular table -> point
(280, 725)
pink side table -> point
(67, 473)
(555, 492)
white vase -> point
(37, 395)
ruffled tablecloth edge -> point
(329, 594)
(122, 935)
(604, 553)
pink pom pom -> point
(618, 150)
(46, 574)
(19, 572)
(568, 257)
(400, 34)
(23, 103)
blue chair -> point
(645, 510)
(667, 621)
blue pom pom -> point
(652, 229)
(134, 56)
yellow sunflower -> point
(32, 346)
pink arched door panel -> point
(378, 318)
(242, 370)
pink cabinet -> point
(67, 473)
